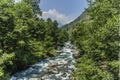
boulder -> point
(72, 78)
(53, 70)
(64, 74)
(65, 62)
(58, 51)
(52, 64)
(76, 54)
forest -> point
(97, 39)
(25, 38)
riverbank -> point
(59, 67)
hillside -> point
(96, 38)
(84, 16)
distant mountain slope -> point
(83, 17)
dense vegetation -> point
(97, 39)
(70, 26)
(24, 37)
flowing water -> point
(54, 68)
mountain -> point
(83, 17)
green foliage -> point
(35, 6)
(24, 38)
(97, 39)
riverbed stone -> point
(55, 68)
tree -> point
(35, 6)
(97, 41)
(24, 38)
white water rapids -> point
(54, 68)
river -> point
(59, 67)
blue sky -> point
(64, 11)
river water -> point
(54, 68)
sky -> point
(64, 11)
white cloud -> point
(17, 1)
(55, 15)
